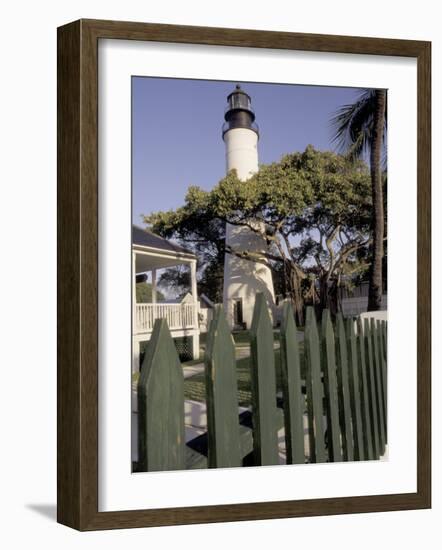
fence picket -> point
(344, 390)
(161, 405)
(378, 383)
(355, 392)
(365, 393)
(210, 331)
(330, 388)
(294, 401)
(263, 386)
(384, 338)
(221, 396)
(383, 362)
(314, 389)
(383, 355)
(346, 387)
(372, 389)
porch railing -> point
(178, 316)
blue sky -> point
(176, 132)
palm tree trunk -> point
(375, 285)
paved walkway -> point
(195, 421)
(193, 369)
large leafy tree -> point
(176, 278)
(144, 293)
(196, 228)
(312, 209)
(361, 129)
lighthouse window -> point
(239, 101)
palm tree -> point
(360, 129)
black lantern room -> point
(239, 112)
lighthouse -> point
(243, 278)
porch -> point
(150, 254)
(179, 317)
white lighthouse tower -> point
(243, 279)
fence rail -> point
(339, 384)
(178, 316)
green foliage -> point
(195, 227)
(177, 277)
(312, 208)
(144, 294)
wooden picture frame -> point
(77, 387)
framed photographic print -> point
(243, 275)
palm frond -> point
(355, 149)
(353, 124)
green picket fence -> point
(342, 394)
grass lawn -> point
(194, 387)
(241, 339)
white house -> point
(355, 301)
(151, 253)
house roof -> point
(143, 237)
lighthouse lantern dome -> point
(239, 112)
